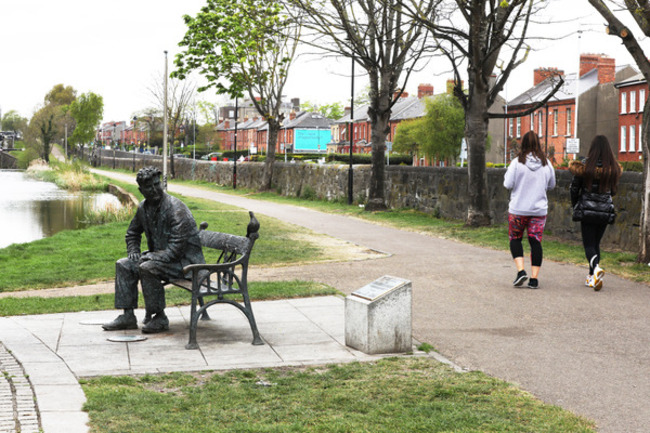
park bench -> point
(216, 283)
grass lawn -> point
(407, 394)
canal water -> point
(31, 209)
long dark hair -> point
(601, 158)
(530, 144)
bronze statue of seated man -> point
(172, 241)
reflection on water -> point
(31, 209)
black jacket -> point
(597, 207)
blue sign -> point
(312, 140)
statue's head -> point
(149, 184)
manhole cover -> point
(127, 338)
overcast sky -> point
(117, 51)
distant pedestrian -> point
(528, 177)
(594, 182)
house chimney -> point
(450, 86)
(292, 115)
(541, 74)
(397, 94)
(226, 124)
(425, 90)
(606, 66)
(347, 111)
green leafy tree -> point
(48, 124)
(442, 128)
(208, 136)
(12, 121)
(406, 136)
(61, 95)
(43, 130)
(438, 134)
(243, 47)
(87, 111)
(334, 110)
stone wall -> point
(435, 190)
(7, 161)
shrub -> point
(636, 166)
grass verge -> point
(259, 291)
(391, 395)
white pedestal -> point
(378, 317)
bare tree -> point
(639, 11)
(387, 45)
(484, 37)
(180, 94)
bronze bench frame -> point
(228, 276)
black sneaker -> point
(533, 283)
(520, 279)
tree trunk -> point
(379, 117)
(46, 151)
(476, 126)
(644, 227)
(267, 179)
(376, 198)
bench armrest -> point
(213, 267)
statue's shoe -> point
(158, 323)
(123, 321)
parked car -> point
(180, 155)
(211, 155)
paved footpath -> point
(583, 350)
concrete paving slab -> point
(294, 333)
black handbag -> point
(594, 208)
(578, 211)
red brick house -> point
(554, 122)
(632, 95)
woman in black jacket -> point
(594, 183)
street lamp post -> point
(234, 167)
(165, 127)
(115, 143)
(350, 133)
(135, 119)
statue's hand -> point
(134, 257)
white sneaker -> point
(589, 281)
(599, 273)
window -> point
(633, 101)
(555, 118)
(568, 122)
(540, 122)
(623, 138)
(632, 144)
(641, 100)
(623, 102)
(532, 121)
(640, 137)
(510, 127)
(518, 127)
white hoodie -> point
(528, 184)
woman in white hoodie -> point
(528, 177)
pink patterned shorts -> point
(534, 225)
